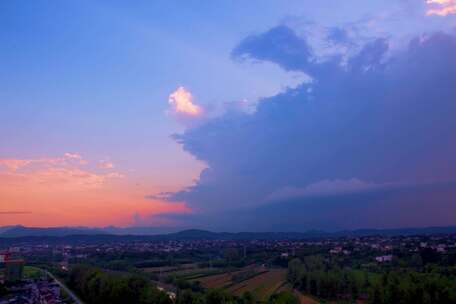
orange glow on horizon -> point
(66, 191)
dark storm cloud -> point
(382, 207)
(280, 45)
(376, 119)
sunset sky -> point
(228, 115)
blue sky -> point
(94, 77)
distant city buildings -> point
(384, 258)
(11, 270)
(14, 270)
(39, 291)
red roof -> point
(17, 261)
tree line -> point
(315, 277)
(318, 277)
(404, 287)
(94, 286)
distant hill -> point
(203, 234)
(194, 234)
(6, 228)
(144, 233)
(138, 230)
(398, 231)
(21, 231)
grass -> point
(262, 283)
(261, 286)
(31, 272)
(371, 276)
(215, 281)
(196, 273)
(303, 299)
(159, 269)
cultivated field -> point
(262, 285)
(261, 282)
(164, 269)
(303, 299)
(216, 281)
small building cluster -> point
(11, 270)
(34, 292)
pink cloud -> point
(105, 164)
(184, 109)
(67, 190)
(65, 173)
(181, 102)
(14, 164)
(441, 7)
(73, 155)
(66, 159)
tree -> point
(283, 297)
(3, 290)
(377, 295)
(217, 296)
(294, 271)
(247, 298)
(96, 286)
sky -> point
(228, 115)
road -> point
(69, 292)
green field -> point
(260, 282)
(31, 272)
(185, 272)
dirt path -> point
(303, 299)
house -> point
(384, 258)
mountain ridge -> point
(194, 234)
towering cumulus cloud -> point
(381, 126)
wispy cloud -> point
(106, 164)
(441, 7)
(14, 164)
(67, 159)
(66, 172)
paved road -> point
(69, 292)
